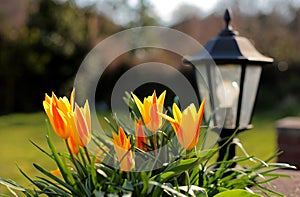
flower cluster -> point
(186, 125)
(73, 124)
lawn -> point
(17, 130)
(261, 141)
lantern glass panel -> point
(227, 93)
(251, 82)
(203, 86)
(219, 85)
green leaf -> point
(194, 190)
(26, 176)
(206, 153)
(145, 179)
(51, 176)
(182, 165)
(41, 149)
(65, 171)
(166, 188)
(236, 193)
(107, 171)
(11, 184)
(99, 194)
(56, 187)
(127, 185)
(176, 168)
(167, 175)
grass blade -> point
(51, 176)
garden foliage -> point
(164, 154)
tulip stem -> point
(188, 152)
(71, 155)
(87, 155)
(155, 143)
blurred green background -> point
(43, 42)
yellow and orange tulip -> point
(82, 118)
(186, 124)
(55, 172)
(150, 110)
(68, 123)
(122, 147)
(59, 112)
(141, 139)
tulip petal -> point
(47, 98)
(58, 121)
(72, 99)
(81, 126)
(122, 135)
(161, 98)
(168, 118)
(201, 113)
(141, 139)
(146, 111)
(46, 106)
(73, 146)
(154, 118)
(188, 126)
(176, 113)
(139, 104)
(87, 114)
(55, 172)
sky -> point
(165, 8)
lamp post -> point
(230, 101)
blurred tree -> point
(129, 13)
(277, 37)
(185, 12)
(44, 54)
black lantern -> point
(231, 97)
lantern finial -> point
(228, 31)
(227, 18)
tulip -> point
(141, 139)
(122, 147)
(186, 124)
(55, 172)
(150, 110)
(59, 112)
(99, 156)
(82, 118)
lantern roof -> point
(228, 47)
